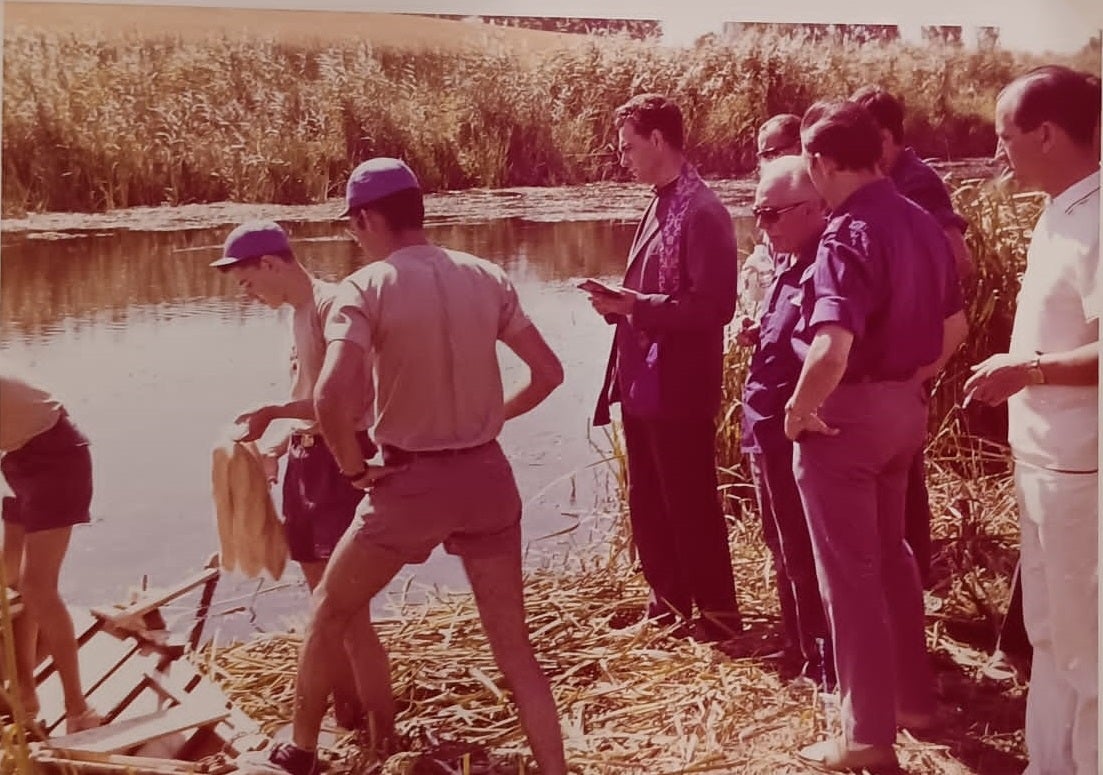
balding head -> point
(787, 206)
(789, 175)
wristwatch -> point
(1034, 373)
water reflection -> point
(103, 277)
(154, 352)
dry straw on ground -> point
(636, 699)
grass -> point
(636, 699)
(273, 117)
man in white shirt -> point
(1047, 122)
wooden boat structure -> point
(161, 714)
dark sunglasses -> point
(770, 215)
(769, 154)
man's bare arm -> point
(338, 398)
(963, 257)
(545, 370)
(256, 421)
(954, 329)
(824, 366)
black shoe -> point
(279, 759)
(717, 628)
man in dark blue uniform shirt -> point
(881, 312)
(920, 183)
(790, 212)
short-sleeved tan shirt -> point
(432, 317)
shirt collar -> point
(867, 193)
(905, 158)
(1064, 201)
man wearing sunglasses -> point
(881, 311)
(779, 136)
(790, 212)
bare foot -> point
(30, 705)
(82, 721)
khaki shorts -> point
(467, 501)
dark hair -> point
(1068, 98)
(787, 124)
(252, 261)
(648, 112)
(843, 131)
(402, 211)
(886, 110)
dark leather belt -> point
(396, 456)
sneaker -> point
(279, 759)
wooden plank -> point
(151, 599)
(114, 696)
(234, 735)
(123, 735)
(98, 659)
(92, 762)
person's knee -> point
(38, 592)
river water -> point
(154, 353)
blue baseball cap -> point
(375, 179)
(253, 239)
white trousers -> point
(1059, 517)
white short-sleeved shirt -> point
(432, 317)
(1057, 426)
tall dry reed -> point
(98, 121)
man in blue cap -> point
(430, 318)
(318, 504)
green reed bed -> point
(98, 122)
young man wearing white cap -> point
(318, 503)
(430, 318)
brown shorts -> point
(467, 501)
(51, 476)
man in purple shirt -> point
(881, 312)
(921, 184)
(791, 213)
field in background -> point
(155, 107)
(283, 26)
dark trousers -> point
(917, 517)
(785, 530)
(677, 524)
(1013, 638)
